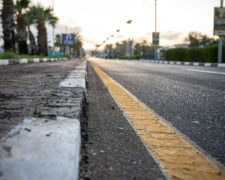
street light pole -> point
(155, 54)
(155, 15)
(220, 45)
(128, 43)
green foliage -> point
(20, 5)
(123, 57)
(211, 53)
(177, 54)
(207, 54)
(198, 39)
(135, 57)
(194, 54)
(12, 55)
(7, 55)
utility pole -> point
(155, 15)
(155, 54)
(128, 43)
(220, 45)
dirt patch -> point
(25, 87)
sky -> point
(96, 20)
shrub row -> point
(131, 57)
(12, 55)
(207, 54)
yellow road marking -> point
(180, 159)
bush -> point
(177, 54)
(123, 57)
(135, 57)
(206, 54)
(211, 53)
(7, 55)
(194, 54)
(12, 55)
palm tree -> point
(21, 27)
(8, 25)
(29, 20)
(41, 16)
(78, 44)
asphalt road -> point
(114, 150)
(190, 98)
(23, 88)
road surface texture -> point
(24, 87)
(115, 152)
(192, 99)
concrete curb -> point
(47, 146)
(26, 61)
(185, 63)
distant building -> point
(182, 45)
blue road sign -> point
(68, 39)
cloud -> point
(170, 35)
(67, 29)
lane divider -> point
(185, 63)
(179, 158)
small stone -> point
(49, 134)
(28, 130)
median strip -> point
(47, 146)
(179, 158)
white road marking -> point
(211, 72)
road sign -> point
(68, 39)
(219, 21)
(155, 38)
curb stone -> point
(185, 63)
(26, 61)
(47, 146)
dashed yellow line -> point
(180, 159)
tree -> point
(138, 49)
(41, 16)
(8, 25)
(78, 44)
(21, 26)
(58, 40)
(29, 20)
(197, 39)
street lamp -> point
(128, 46)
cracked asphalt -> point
(192, 101)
